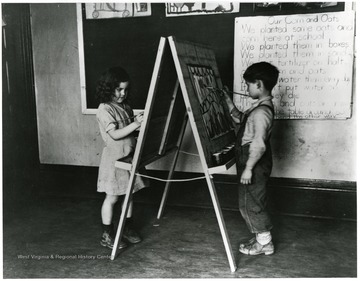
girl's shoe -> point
(108, 241)
(130, 235)
(256, 248)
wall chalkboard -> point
(132, 43)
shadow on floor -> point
(59, 238)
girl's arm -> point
(117, 134)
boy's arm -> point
(236, 114)
(262, 123)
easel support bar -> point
(172, 169)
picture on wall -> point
(267, 6)
(212, 106)
(296, 6)
(116, 10)
(201, 8)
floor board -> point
(59, 238)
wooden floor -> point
(59, 238)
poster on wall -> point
(116, 10)
(201, 8)
(314, 54)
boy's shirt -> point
(257, 129)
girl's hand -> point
(246, 176)
(139, 118)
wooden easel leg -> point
(172, 169)
(221, 222)
(124, 211)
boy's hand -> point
(246, 176)
(227, 98)
(226, 93)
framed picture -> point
(116, 10)
(297, 7)
(200, 8)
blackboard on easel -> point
(198, 70)
(195, 69)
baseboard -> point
(296, 197)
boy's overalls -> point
(252, 197)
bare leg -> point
(108, 208)
(130, 209)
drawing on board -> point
(212, 106)
(200, 8)
(116, 10)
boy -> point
(253, 155)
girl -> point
(117, 124)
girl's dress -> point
(111, 180)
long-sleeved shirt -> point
(257, 129)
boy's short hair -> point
(263, 71)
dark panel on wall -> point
(20, 145)
(133, 42)
(295, 197)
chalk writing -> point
(314, 54)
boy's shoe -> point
(130, 235)
(108, 241)
(256, 248)
(247, 243)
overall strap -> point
(273, 112)
(266, 105)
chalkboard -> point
(210, 120)
(314, 53)
(132, 43)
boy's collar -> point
(263, 99)
(258, 102)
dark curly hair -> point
(108, 82)
(263, 71)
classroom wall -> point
(321, 149)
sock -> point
(108, 228)
(129, 221)
(263, 237)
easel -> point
(136, 164)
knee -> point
(111, 199)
